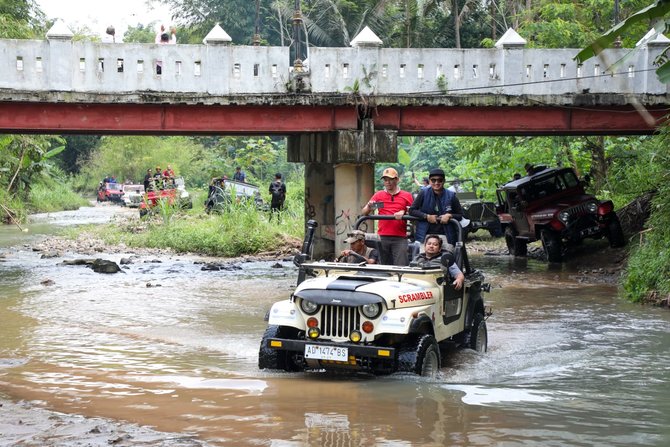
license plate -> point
(589, 231)
(326, 353)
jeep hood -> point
(355, 291)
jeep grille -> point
(339, 321)
(578, 211)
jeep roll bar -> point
(460, 254)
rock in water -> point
(104, 266)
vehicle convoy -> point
(132, 195)
(171, 192)
(375, 318)
(481, 214)
(110, 192)
(552, 206)
(221, 194)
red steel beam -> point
(519, 120)
(26, 117)
(171, 119)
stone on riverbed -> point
(105, 266)
(98, 265)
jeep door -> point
(453, 302)
(517, 210)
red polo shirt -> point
(392, 204)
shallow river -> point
(568, 364)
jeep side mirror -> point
(447, 260)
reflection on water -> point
(568, 364)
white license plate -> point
(326, 353)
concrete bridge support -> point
(339, 178)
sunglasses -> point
(437, 180)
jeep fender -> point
(286, 313)
(402, 321)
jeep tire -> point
(516, 247)
(272, 358)
(476, 337)
(615, 233)
(553, 246)
(496, 229)
(420, 355)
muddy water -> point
(173, 347)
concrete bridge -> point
(342, 109)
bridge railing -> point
(219, 70)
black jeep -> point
(551, 205)
(481, 214)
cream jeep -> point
(375, 318)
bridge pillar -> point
(339, 178)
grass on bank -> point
(241, 229)
(45, 195)
(50, 196)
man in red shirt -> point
(392, 233)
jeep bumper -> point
(283, 344)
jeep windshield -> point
(547, 186)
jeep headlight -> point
(371, 310)
(592, 207)
(564, 216)
(309, 307)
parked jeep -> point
(222, 193)
(481, 214)
(375, 318)
(551, 205)
(132, 195)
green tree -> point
(21, 19)
(140, 33)
(23, 157)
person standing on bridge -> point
(391, 201)
(436, 206)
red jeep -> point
(110, 192)
(552, 206)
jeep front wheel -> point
(615, 233)
(553, 246)
(269, 358)
(419, 355)
(516, 247)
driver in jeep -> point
(358, 251)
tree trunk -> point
(598, 161)
(18, 169)
(457, 25)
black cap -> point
(436, 173)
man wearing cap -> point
(358, 251)
(436, 206)
(391, 201)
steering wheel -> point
(360, 258)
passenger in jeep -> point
(432, 257)
(391, 201)
(358, 251)
(436, 206)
